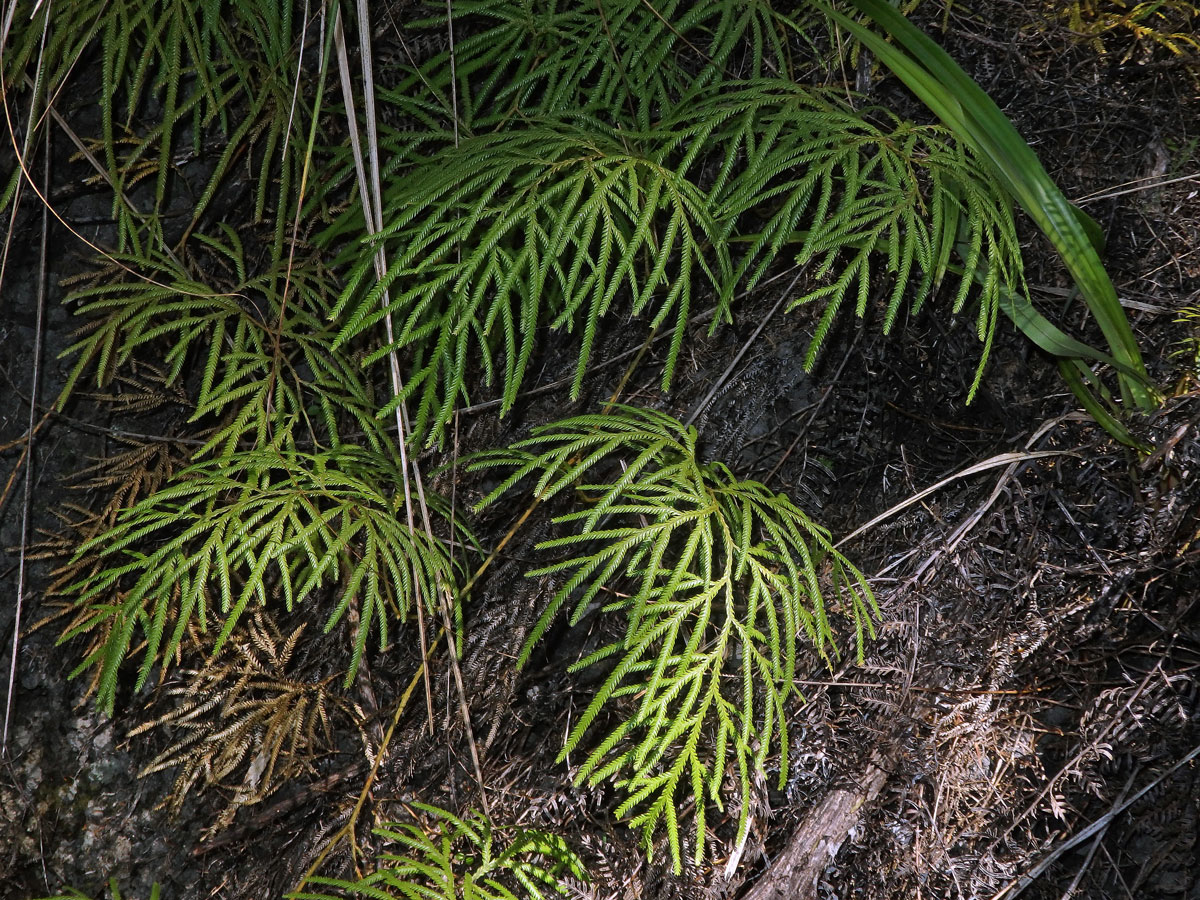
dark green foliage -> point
(804, 169)
(552, 224)
(569, 166)
(620, 60)
(491, 241)
(198, 68)
(263, 344)
(252, 527)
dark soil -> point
(1036, 666)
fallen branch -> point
(794, 873)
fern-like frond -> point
(621, 60)
(552, 224)
(260, 362)
(721, 583)
(800, 167)
(255, 527)
(114, 893)
(176, 71)
(508, 232)
(461, 858)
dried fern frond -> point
(718, 579)
(256, 526)
(461, 858)
(246, 712)
(1171, 24)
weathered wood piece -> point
(793, 874)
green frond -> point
(624, 60)
(241, 531)
(717, 579)
(446, 857)
(566, 165)
(551, 223)
(205, 68)
(266, 361)
(810, 171)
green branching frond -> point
(467, 858)
(973, 117)
(255, 527)
(719, 581)
(621, 60)
(512, 232)
(204, 66)
(265, 359)
(798, 166)
(1188, 349)
(508, 232)
(114, 893)
(565, 166)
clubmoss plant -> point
(717, 581)
(447, 857)
(114, 893)
(562, 166)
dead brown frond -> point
(149, 390)
(246, 721)
(128, 476)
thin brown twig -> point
(26, 440)
(347, 830)
(1087, 860)
(980, 511)
(1141, 184)
(720, 382)
(820, 404)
